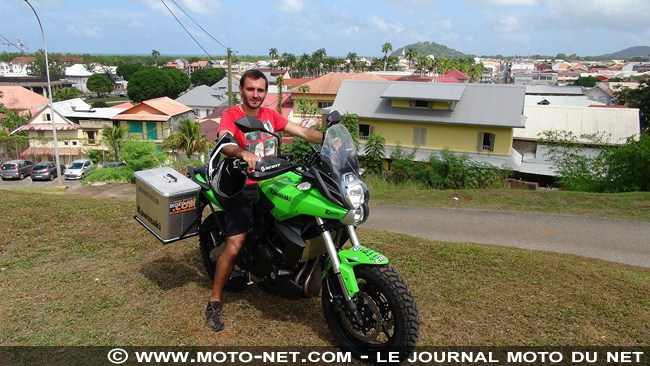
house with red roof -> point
(153, 119)
(21, 99)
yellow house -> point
(476, 119)
(153, 119)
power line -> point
(10, 43)
(198, 25)
(188, 32)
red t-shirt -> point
(259, 143)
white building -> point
(78, 76)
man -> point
(252, 146)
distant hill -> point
(431, 48)
(639, 51)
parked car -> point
(16, 169)
(44, 170)
(113, 164)
(79, 169)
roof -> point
(200, 63)
(554, 90)
(446, 92)
(223, 85)
(23, 60)
(457, 74)
(17, 97)
(330, 83)
(217, 112)
(415, 78)
(481, 104)
(210, 128)
(558, 100)
(77, 108)
(167, 106)
(617, 124)
(37, 151)
(77, 70)
(203, 96)
(271, 101)
(123, 105)
(446, 79)
(48, 127)
(296, 81)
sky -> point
(252, 27)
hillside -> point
(431, 48)
(639, 51)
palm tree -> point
(422, 64)
(411, 55)
(155, 54)
(191, 137)
(318, 57)
(273, 54)
(113, 137)
(352, 60)
(387, 47)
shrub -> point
(121, 174)
(181, 165)
(95, 155)
(99, 104)
(141, 155)
(374, 154)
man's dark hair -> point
(253, 74)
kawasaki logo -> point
(265, 168)
(279, 195)
(152, 221)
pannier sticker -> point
(182, 205)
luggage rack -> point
(183, 235)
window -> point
(74, 143)
(65, 143)
(47, 117)
(419, 136)
(485, 141)
(322, 105)
(40, 133)
(364, 131)
(91, 137)
(421, 104)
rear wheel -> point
(51, 177)
(212, 243)
(390, 321)
(22, 176)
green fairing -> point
(209, 194)
(290, 202)
(351, 258)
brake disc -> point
(371, 316)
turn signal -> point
(304, 186)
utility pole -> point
(229, 77)
(59, 178)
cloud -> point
(444, 23)
(516, 37)
(292, 6)
(89, 32)
(351, 30)
(625, 15)
(503, 22)
(202, 7)
(384, 26)
(417, 3)
(116, 19)
(514, 2)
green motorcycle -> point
(304, 215)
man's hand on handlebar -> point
(250, 159)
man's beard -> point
(248, 103)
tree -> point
(149, 83)
(99, 84)
(180, 81)
(351, 122)
(127, 70)
(385, 48)
(374, 151)
(66, 93)
(140, 155)
(411, 55)
(638, 98)
(37, 68)
(155, 54)
(352, 61)
(207, 76)
(114, 137)
(279, 80)
(99, 104)
(273, 54)
(189, 138)
(587, 82)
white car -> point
(79, 169)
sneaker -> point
(213, 315)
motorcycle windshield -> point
(339, 148)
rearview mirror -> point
(250, 124)
(333, 118)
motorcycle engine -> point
(263, 260)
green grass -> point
(81, 271)
(633, 206)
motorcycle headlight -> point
(354, 195)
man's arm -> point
(238, 152)
(309, 134)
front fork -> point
(344, 272)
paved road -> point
(27, 182)
(610, 239)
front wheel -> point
(388, 311)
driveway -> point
(609, 239)
(27, 182)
